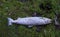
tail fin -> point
(10, 21)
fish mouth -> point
(49, 21)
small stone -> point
(1, 3)
(6, 8)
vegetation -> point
(23, 8)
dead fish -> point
(30, 21)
